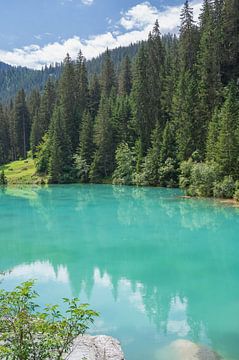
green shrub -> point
(225, 188)
(236, 195)
(125, 165)
(198, 178)
(168, 174)
(43, 155)
(185, 174)
(82, 168)
(3, 178)
(26, 333)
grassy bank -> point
(22, 172)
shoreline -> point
(223, 201)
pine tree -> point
(41, 119)
(68, 102)
(144, 124)
(86, 147)
(185, 117)
(208, 68)
(108, 80)
(21, 125)
(103, 162)
(60, 149)
(188, 39)
(4, 137)
(125, 78)
(94, 96)
(122, 118)
(155, 76)
(228, 141)
(82, 96)
(212, 136)
(3, 179)
(33, 103)
(230, 66)
(168, 147)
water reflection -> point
(156, 266)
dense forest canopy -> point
(168, 115)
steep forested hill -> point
(12, 79)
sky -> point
(34, 33)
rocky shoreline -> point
(101, 347)
(107, 348)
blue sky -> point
(37, 32)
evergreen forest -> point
(164, 113)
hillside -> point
(13, 78)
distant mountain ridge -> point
(13, 78)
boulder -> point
(96, 348)
(187, 350)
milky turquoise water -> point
(157, 267)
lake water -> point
(157, 267)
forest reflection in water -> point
(158, 267)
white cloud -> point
(87, 2)
(135, 25)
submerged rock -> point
(187, 350)
(96, 348)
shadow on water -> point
(158, 267)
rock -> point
(96, 348)
(187, 350)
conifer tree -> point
(228, 141)
(212, 136)
(60, 149)
(188, 39)
(68, 102)
(108, 80)
(125, 77)
(86, 148)
(33, 103)
(82, 96)
(21, 125)
(144, 124)
(230, 63)
(41, 118)
(103, 162)
(208, 68)
(94, 96)
(4, 137)
(155, 76)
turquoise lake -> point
(156, 266)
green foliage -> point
(166, 103)
(43, 155)
(225, 188)
(3, 178)
(228, 140)
(198, 178)
(236, 195)
(28, 333)
(125, 165)
(168, 173)
(60, 162)
(82, 168)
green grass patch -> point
(22, 172)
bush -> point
(82, 169)
(43, 155)
(168, 174)
(185, 174)
(3, 178)
(125, 165)
(225, 188)
(26, 333)
(236, 195)
(198, 178)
